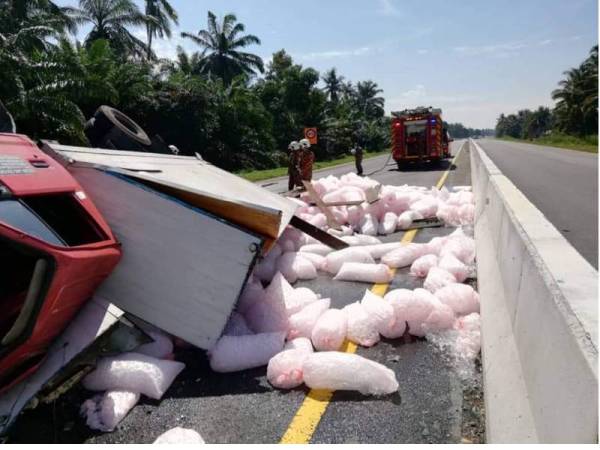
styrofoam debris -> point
(179, 435)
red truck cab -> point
(55, 249)
(419, 135)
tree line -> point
(220, 100)
(575, 112)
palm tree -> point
(333, 84)
(222, 42)
(188, 64)
(109, 20)
(368, 102)
(163, 14)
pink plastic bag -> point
(382, 312)
(298, 299)
(388, 223)
(366, 273)
(294, 267)
(303, 322)
(421, 266)
(235, 353)
(438, 278)
(369, 225)
(330, 330)
(452, 264)
(348, 372)
(462, 298)
(284, 370)
(333, 261)
(362, 328)
(300, 343)
(404, 256)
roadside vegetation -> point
(572, 123)
(257, 175)
(221, 99)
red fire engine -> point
(419, 135)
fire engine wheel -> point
(401, 165)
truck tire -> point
(110, 128)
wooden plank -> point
(318, 234)
(182, 270)
(341, 203)
(331, 222)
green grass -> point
(258, 175)
(583, 144)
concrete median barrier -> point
(539, 304)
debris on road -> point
(179, 435)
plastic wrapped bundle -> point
(265, 270)
(466, 214)
(400, 203)
(361, 240)
(319, 249)
(161, 347)
(345, 194)
(468, 343)
(438, 278)
(340, 214)
(303, 322)
(434, 246)
(441, 318)
(330, 330)
(404, 256)
(179, 435)
(452, 264)
(316, 260)
(369, 225)
(462, 298)
(104, 412)
(133, 372)
(366, 273)
(381, 311)
(355, 215)
(461, 246)
(235, 353)
(421, 266)
(400, 300)
(333, 261)
(298, 299)
(416, 308)
(378, 250)
(270, 314)
(348, 372)
(319, 220)
(388, 223)
(426, 207)
(295, 267)
(362, 328)
(284, 370)
(448, 214)
(252, 293)
(236, 326)
(300, 343)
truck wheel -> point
(401, 165)
(111, 128)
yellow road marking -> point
(445, 174)
(307, 418)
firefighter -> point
(307, 159)
(293, 165)
(357, 151)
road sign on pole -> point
(311, 135)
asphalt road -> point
(562, 184)
(434, 404)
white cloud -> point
(501, 50)
(387, 8)
(329, 54)
(416, 93)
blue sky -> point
(473, 58)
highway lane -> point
(433, 405)
(562, 184)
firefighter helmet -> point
(304, 143)
(294, 145)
